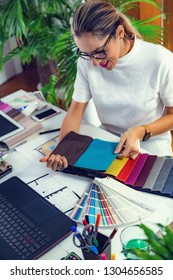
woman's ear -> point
(120, 32)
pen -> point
(87, 218)
(85, 224)
(113, 257)
(95, 241)
(49, 131)
(113, 233)
(97, 224)
(103, 257)
(94, 250)
(109, 238)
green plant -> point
(42, 31)
(161, 246)
(49, 90)
(37, 26)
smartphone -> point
(45, 115)
(72, 257)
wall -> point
(145, 11)
(12, 67)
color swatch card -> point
(118, 204)
(48, 146)
(22, 101)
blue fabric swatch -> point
(98, 156)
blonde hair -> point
(101, 19)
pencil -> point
(49, 131)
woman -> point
(130, 81)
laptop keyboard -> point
(19, 232)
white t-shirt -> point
(135, 92)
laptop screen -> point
(32, 225)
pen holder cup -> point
(102, 239)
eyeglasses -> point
(95, 54)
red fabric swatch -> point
(127, 169)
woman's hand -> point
(129, 145)
(55, 162)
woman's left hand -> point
(129, 145)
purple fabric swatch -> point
(7, 109)
(3, 106)
(13, 112)
(145, 171)
(137, 169)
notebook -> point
(29, 224)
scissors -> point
(88, 234)
(84, 240)
(79, 241)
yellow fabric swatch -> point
(116, 166)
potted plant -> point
(161, 245)
(36, 25)
(42, 31)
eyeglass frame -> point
(92, 55)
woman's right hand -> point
(55, 162)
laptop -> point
(29, 224)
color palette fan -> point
(118, 204)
